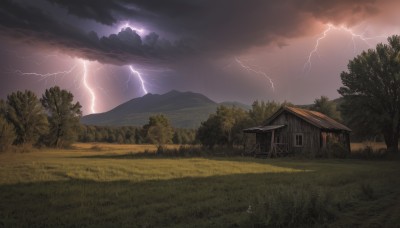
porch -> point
(266, 141)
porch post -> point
(272, 143)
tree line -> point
(53, 121)
(26, 120)
(133, 135)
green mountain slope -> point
(183, 109)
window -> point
(298, 140)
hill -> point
(183, 109)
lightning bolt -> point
(140, 78)
(88, 88)
(84, 81)
(46, 75)
(324, 34)
(141, 32)
(66, 72)
(256, 72)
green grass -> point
(87, 187)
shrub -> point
(367, 191)
(291, 207)
(367, 152)
(334, 150)
(7, 134)
(339, 150)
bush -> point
(339, 150)
(334, 150)
(7, 134)
(367, 152)
(160, 150)
(367, 191)
(291, 207)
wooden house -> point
(297, 131)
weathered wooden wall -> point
(315, 140)
(329, 138)
(311, 134)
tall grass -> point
(369, 150)
(111, 187)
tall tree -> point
(326, 106)
(232, 121)
(63, 116)
(371, 91)
(27, 115)
(7, 132)
(261, 111)
(3, 108)
(158, 131)
(210, 133)
(224, 127)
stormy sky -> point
(229, 50)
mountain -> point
(183, 109)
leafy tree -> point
(90, 134)
(27, 116)
(184, 136)
(3, 108)
(210, 133)
(138, 136)
(224, 127)
(7, 132)
(63, 116)
(129, 134)
(232, 122)
(261, 111)
(371, 91)
(326, 106)
(177, 138)
(158, 131)
(126, 134)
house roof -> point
(315, 118)
(261, 129)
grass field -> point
(96, 185)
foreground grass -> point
(87, 186)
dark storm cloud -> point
(201, 27)
(31, 25)
(234, 25)
(231, 25)
(103, 11)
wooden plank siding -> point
(294, 125)
(319, 135)
(331, 137)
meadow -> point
(98, 185)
